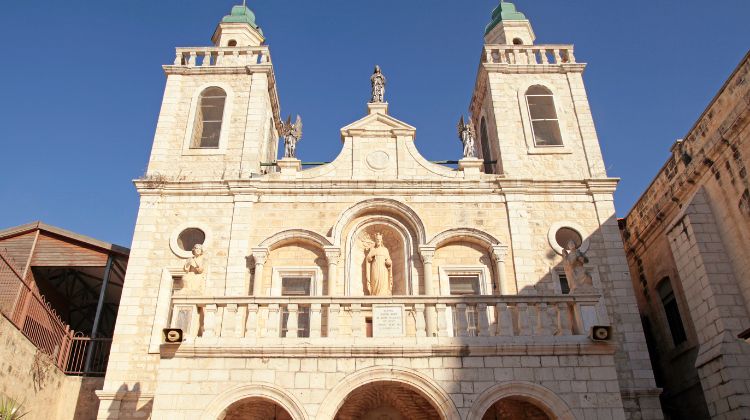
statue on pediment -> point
(467, 135)
(377, 80)
(292, 134)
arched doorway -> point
(515, 409)
(386, 400)
(255, 408)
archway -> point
(386, 401)
(256, 398)
(520, 400)
(255, 408)
(514, 409)
(422, 387)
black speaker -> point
(600, 333)
(172, 335)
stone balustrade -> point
(529, 54)
(332, 317)
(222, 56)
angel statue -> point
(573, 261)
(378, 86)
(292, 133)
(378, 266)
(467, 135)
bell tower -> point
(530, 106)
(220, 114)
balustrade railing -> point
(222, 56)
(529, 54)
(413, 316)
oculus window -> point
(208, 119)
(544, 123)
(189, 238)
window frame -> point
(531, 147)
(671, 300)
(551, 95)
(187, 145)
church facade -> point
(380, 285)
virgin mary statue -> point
(379, 273)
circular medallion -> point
(378, 160)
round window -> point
(565, 235)
(189, 238)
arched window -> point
(544, 124)
(208, 117)
(517, 41)
(232, 43)
(486, 151)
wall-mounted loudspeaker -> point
(600, 333)
(172, 335)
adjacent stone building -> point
(688, 245)
(380, 285)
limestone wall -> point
(30, 377)
(189, 388)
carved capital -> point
(427, 253)
(499, 252)
(260, 255)
(333, 254)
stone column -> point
(333, 254)
(427, 253)
(499, 252)
(259, 256)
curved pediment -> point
(378, 124)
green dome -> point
(241, 14)
(504, 11)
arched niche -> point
(399, 241)
(379, 206)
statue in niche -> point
(573, 261)
(379, 267)
(195, 267)
(467, 135)
(292, 133)
(378, 86)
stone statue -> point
(292, 133)
(195, 267)
(379, 269)
(573, 261)
(467, 134)
(378, 86)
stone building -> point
(688, 245)
(380, 285)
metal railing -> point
(31, 314)
(88, 356)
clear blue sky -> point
(83, 83)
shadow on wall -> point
(129, 401)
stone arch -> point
(380, 206)
(467, 234)
(549, 402)
(423, 385)
(293, 235)
(259, 390)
